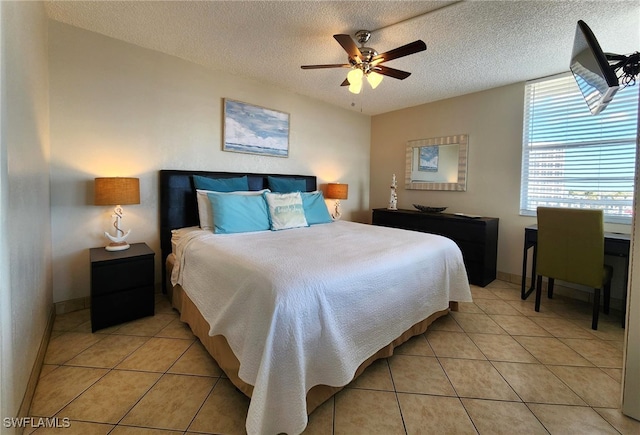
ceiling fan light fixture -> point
(355, 88)
(355, 80)
(374, 79)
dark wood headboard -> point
(179, 208)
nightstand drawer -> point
(115, 308)
(116, 276)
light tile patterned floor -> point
(496, 366)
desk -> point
(615, 244)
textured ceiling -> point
(471, 45)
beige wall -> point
(121, 110)
(493, 121)
(25, 244)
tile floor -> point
(496, 366)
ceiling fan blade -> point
(349, 46)
(405, 50)
(345, 83)
(392, 72)
(335, 65)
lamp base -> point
(120, 246)
(337, 214)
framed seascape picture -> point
(429, 159)
(255, 130)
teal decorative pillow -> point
(286, 185)
(234, 213)
(285, 210)
(205, 211)
(221, 184)
(315, 209)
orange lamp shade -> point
(337, 191)
(117, 191)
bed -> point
(293, 316)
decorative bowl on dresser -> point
(476, 237)
(429, 209)
(122, 285)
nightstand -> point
(122, 285)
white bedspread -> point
(307, 306)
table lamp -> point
(117, 191)
(337, 191)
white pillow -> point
(205, 212)
(285, 210)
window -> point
(571, 158)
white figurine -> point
(393, 199)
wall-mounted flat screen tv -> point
(596, 79)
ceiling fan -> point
(366, 62)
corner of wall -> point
(26, 299)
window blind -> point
(571, 158)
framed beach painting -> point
(255, 130)
(429, 159)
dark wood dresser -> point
(476, 237)
(122, 285)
